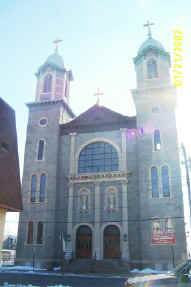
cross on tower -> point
(56, 42)
(98, 94)
(148, 24)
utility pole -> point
(187, 177)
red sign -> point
(163, 238)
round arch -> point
(111, 243)
(116, 147)
(83, 240)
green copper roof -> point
(153, 44)
(55, 60)
(150, 43)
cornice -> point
(100, 177)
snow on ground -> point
(149, 277)
(12, 285)
(148, 271)
(20, 268)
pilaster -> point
(124, 235)
(124, 149)
(70, 217)
(97, 238)
(72, 149)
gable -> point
(99, 118)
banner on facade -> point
(163, 238)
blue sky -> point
(100, 38)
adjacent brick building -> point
(103, 185)
(10, 189)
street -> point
(74, 281)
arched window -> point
(47, 86)
(152, 69)
(154, 180)
(42, 186)
(157, 141)
(30, 233)
(33, 187)
(165, 182)
(98, 157)
(40, 233)
(40, 150)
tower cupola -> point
(152, 63)
(53, 80)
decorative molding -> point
(94, 140)
(109, 176)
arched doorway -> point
(111, 242)
(84, 242)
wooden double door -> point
(84, 242)
(111, 242)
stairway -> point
(106, 266)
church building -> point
(103, 185)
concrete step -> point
(105, 266)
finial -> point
(98, 94)
(56, 42)
(148, 24)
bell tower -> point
(159, 177)
(53, 80)
(152, 63)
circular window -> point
(43, 122)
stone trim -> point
(94, 140)
(74, 232)
(124, 149)
(100, 177)
(102, 237)
(37, 148)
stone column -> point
(70, 213)
(124, 149)
(72, 150)
(97, 235)
(124, 242)
(70, 194)
(2, 225)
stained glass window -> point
(40, 232)
(30, 233)
(157, 141)
(165, 182)
(98, 157)
(33, 187)
(40, 149)
(42, 186)
(152, 69)
(154, 180)
(47, 84)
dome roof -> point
(150, 43)
(55, 60)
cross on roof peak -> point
(98, 94)
(56, 42)
(148, 24)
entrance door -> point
(84, 242)
(111, 242)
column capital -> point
(73, 134)
(124, 181)
(123, 130)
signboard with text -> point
(163, 238)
